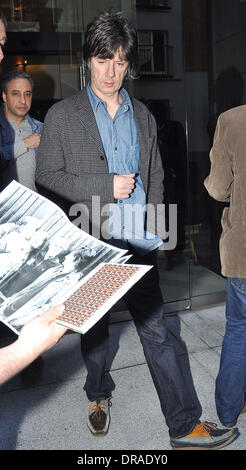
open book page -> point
(44, 258)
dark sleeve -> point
(52, 170)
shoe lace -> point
(97, 407)
(207, 426)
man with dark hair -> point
(19, 132)
(100, 142)
(14, 75)
(104, 37)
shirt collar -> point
(14, 123)
(95, 100)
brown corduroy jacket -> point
(226, 182)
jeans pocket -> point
(239, 283)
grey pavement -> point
(50, 413)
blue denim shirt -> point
(120, 142)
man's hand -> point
(35, 337)
(41, 333)
(123, 185)
(32, 141)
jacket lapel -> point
(85, 115)
(143, 132)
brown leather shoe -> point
(99, 417)
(205, 436)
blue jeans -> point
(230, 383)
(144, 301)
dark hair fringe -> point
(13, 75)
(106, 33)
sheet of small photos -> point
(104, 288)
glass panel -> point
(155, 54)
(167, 101)
(43, 15)
(159, 51)
(154, 4)
(145, 51)
(204, 225)
(48, 36)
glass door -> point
(204, 213)
(161, 86)
(45, 39)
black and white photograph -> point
(43, 256)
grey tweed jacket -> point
(71, 161)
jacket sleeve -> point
(7, 151)
(51, 168)
(16, 146)
(155, 220)
(156, 173)
(6, 138)
(218, 182)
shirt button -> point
(102, 157)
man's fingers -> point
(53, 313)
(127, 181)
(123, 185)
